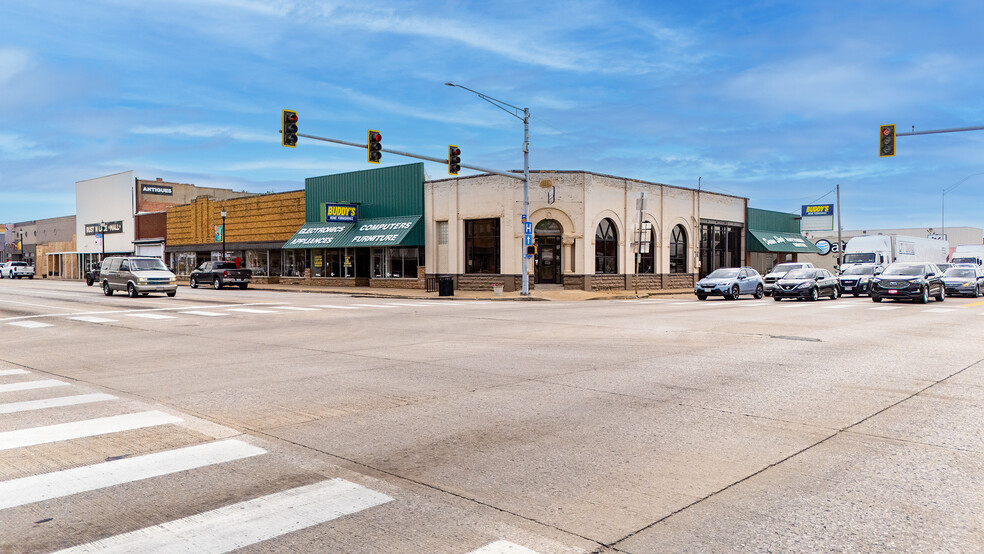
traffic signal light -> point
(886, 140)
(454, 160)
(288, 131)
(375, 147)
(531, 250)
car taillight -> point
(225, 273)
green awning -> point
(319, 235)
(384, 231)
(773, 241)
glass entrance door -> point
(547, 261)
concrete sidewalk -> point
(541, 293)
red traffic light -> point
(375, 137)
(292, 117)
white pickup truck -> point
(16, 269)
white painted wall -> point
(108, 198)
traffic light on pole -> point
(454, 160)
(375, 147)
(531, 250)
(288, 131)
(886, 141)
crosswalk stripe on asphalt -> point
(92, 319)
(503, 547)
(78, 429)
(152, 316)
(29, 324)
(30, 405)
(29, 385)
(206, 314)
(5, 372)
(246, 523)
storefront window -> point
(402, 262)
(482, 246)
(294, 263)
(720, 246)
(606, 247)
(678, 250)
(647, 249)
(258, 261)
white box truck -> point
(885, 249)
(968, 254)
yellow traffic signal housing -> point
(454, 159)
(288, 129)
(374, 147)
(886, 141)
(531, 250)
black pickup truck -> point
(220, 274)
(92, 276)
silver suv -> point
(137, 275)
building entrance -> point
(547, 236)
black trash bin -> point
(445, 286)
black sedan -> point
(964, 280)
(806, 283)
(909, 281)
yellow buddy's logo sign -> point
(818, 209)
(348, 213)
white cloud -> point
(18, 147)
(13, 62)
(201, 131)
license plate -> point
(893, 291)
(848, 287)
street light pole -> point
(102, 238)
(223, 214)
(526, 167)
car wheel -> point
(759, 292)
(30, 276)
(193, 282)
(776, 298)
(834, 293)
(814, 294)
(942, 295)
(875, 298)
(924, 297)
(701, 297)
(243, 286)
(131, 290)
(88, 281)
(172, 293)
(217, 283)
(857, 293)
(107, 290)
(977, 292)
(735, 291)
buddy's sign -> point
(341, 213)
(818, 209)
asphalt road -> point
(275, 421)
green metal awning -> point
(773, 241)
(384, 231)
(319, 235)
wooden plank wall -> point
(268, 217)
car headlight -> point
(141, 280)
(172, 280)
(803, 285)
(967, 284)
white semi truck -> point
(968, 254)
(885, 249)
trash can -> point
(445, 286)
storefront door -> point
(547, 260)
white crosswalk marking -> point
(334, 307)
(374, 305)
(5, 372)
(295, 308)
(206, 314)
(30, 324)
(838, 306)
(251, 311)
(28, 490)
(28, 385)
(503, 547)
(78, 429)
(938, 310)
(92, 319)
(152, 316)
(888, 308)
(245, 523)
(409, 305)
(30, 405)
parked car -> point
(17, 269)
(779, 271)
(964, 280)
(807, 283)
(137, 275)
(220, 274)
(909, 281)
(730, 282)
(944, 267)
(856, 279)
(92, 276)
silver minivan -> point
(137, 275)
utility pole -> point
(840, 245)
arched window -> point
(606, 247)
(678, 250)
(647, 249)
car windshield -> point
(959, 273)
(859, 258)
(143, 264)
(18, 264)
(866, 270)
(905, 270)
(723, 274)
(801, 274)
(965, 260)
(783, 268)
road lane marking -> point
(296, 308)
(5, 372)
(888, 308)
(503, 547)
(92, 319)
(28, 385)
(251, 311)
(37, 488)
(374, 305)
(245, 523)
(79, 429)
(152, 316)
(332, 307)
(939, 310)
(57, 402)
(29, 324)
(206, 314)
(838, 306)
(409, 305)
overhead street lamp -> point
(943, 202)
(526, 166)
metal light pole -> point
(526, 166)
(223, 214)
(102, 238)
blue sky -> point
(776, 101)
